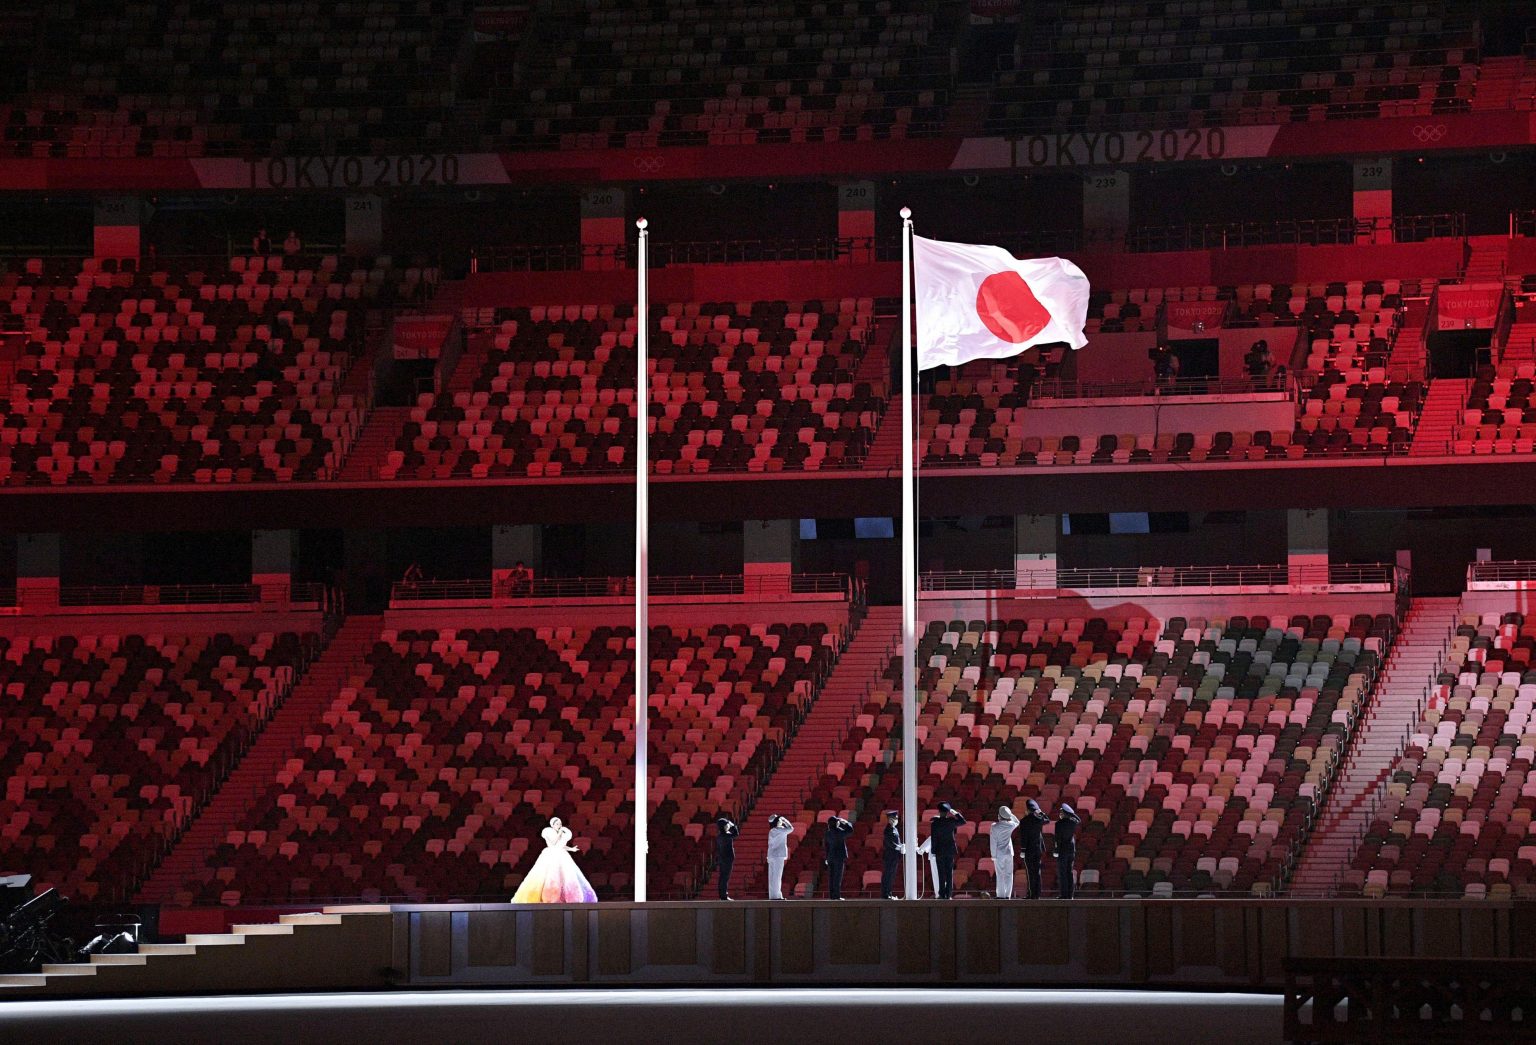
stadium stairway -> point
(819, 738)
(1437, 421)
(1498, 81)
(373, 443)
(223, 963)
(1520, 345)
(256, 771)
(885, 452)
(1489, 259)
(1416, 656)
(1408, 356)
(875, 368)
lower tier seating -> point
(108, 743)
(1457, 808)
(436, 766)
(1196, 751)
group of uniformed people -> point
(941, 848)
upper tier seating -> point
(1196, 751)
(1353, 402)
(746, 386)
(230, 77)
(303, 78)
(224, 371)
(108, 742)
(638, 74)
(438, 763)
(1145, 65)
(1457, 808)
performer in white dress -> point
(779, 830)
(555, 878)
(1002, 851)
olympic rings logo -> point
(649, 164)
(1429, 132)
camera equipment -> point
(25, 940)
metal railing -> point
(169, 595)
(1507, 572)
(1377, 796)
(747, 586)
(1151, 387)
(1400, 228)
(1382, 576)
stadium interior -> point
(318, 455)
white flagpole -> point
(642, 566)
(908, 571)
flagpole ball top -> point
(906, 214)
(641, 223)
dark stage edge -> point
(741, 1016)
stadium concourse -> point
(333, 565)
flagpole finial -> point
(641, 224)
(906, 214)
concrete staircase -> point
(967, 113)
(1393, 710)
(1520, 345)
(820, 737)
(1499, 81)
(885, 452)
(297, 952)
(469, 365)
(373, 443)
(1437, 422)
(1408, 355)
(1489, 259)
(875, 368)
(276, 744)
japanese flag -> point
(979, 302)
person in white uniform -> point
(779, 830)
(1002, 851)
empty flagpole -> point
(642, 564)
(908, 573)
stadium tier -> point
(431, 771)
(227, 78)
(1454, 812)
(1197, 751)
(235, 79)
(1154, 65)
(611, 77)
(214, 372)
(111, 743)
(746, 386)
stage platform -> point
(740, 1016)
(1199, 945)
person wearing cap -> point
(1002, 850)
(1067, 822)
(779, 830)
(725, 852)
(891, 855)
(1032, 844)
(941, 834)
(838, 830)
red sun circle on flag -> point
(1009, 308)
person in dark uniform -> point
(941, 834)
(1032, 844)
(891, 855)
(725, 852)
(838, 830)
(1067, 822)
